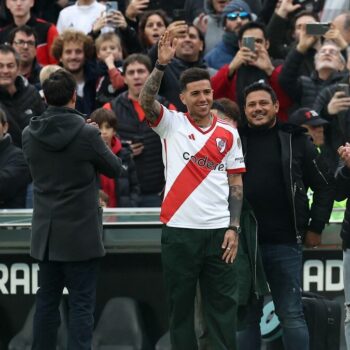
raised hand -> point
(136, 8)
(117, 19)
(335, 35)
(201, 21)
(166, 48)
(306, 41)
(243, 56)
(286, 7)
(339, 102)
(263, 61)
(177, 29)
(344, 154)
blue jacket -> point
(220, 55)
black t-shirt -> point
(265, 189)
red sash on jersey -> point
(193, 175)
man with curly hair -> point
(73, 50)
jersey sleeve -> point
(165, 124)
(235, 160)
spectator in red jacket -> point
(20, 14)
(248, 67)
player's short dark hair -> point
(59, 88)
(257, 86)
(102, 115)
(192, 74)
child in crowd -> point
(123, 191)
(45, 73)
(110, 59)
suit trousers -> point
(188, 256)
(80, 278)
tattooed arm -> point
(166, 51)
(148, 95)
(235, 200)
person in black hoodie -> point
(14, 172)
(281, 164)
(65, 155)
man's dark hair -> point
(6, 49)
(23, 29)
(59, 88)
(200, 35)
(139, 58)
(303, 13)
(192, 74)
(3, 117)
(252, 25)
(102, 115)
(258, 86)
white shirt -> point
(79, 17)
(197, 163)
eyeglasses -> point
(234, 15)
(332, 52)
(23, 43)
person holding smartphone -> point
(80, 16)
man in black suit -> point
(64, 155)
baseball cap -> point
(306, 116)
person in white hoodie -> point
(80, 16)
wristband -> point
(159, 66)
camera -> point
(317, 28)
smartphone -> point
(249, 42)
(179, 15)
(317, 28)
(111, 6)
(344, 88)
(137, 139)
(302, 2)
(154, 5)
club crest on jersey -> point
(221, 144)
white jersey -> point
(79, 17)
(196, 165)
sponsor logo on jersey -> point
(204, 162)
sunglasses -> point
(234, 15)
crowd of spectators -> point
(111, 54)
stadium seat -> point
(120, 327)
(164, 342)
(23, 340)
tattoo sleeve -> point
(235, 198)
(148, 94)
